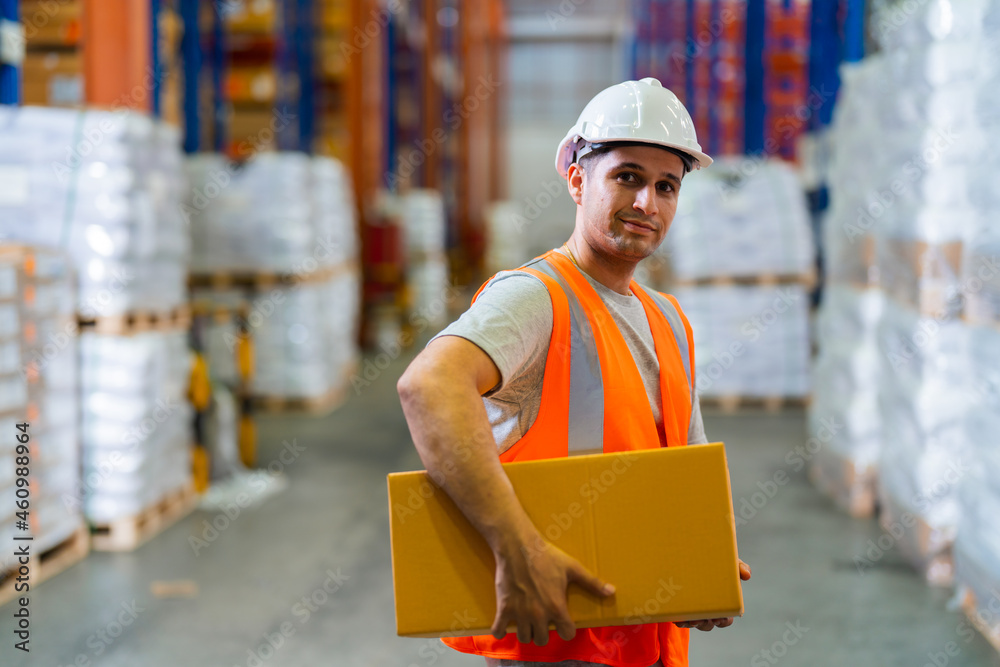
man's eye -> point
(627, 176)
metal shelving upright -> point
(11, 51)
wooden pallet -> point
(807, 280)
(851, 489)
(48, 564)
(129, 533)
(310, 405)
(737, 403)
(989, 630)
(258, 280)
(139, 321)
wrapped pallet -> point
(275, 239)
(136, 422)
(846, 372)
(106, 187)
(739, 257)
(38, 407)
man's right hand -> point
(531, 581)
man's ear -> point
(574, 180)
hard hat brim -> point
(564, 156)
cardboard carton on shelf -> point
(53, 78)
(51, 24)
(658, 524)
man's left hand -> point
(710, 624)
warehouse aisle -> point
(308, 570)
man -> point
(563, 356)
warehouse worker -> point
(563, 356)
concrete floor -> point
(327, 537)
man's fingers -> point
(723, 622)
(706, 626)
(523, 631)
(580, 575)
(540, 630)
(565, 627)
(744, 571)
(499, 629)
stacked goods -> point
(930, 139)
(846, 372)
(977, 546)
(275, 237)
(53, 65)
(741, 252)
(136, 422)
(107, 187)
(332, 77)
(424, 225)
(37, 389)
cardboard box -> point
(658, 524)
(49, 23)
(53, 78)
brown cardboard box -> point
(53, 78)
(49, 23)
(257, 16)
(658, 524)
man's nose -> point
(645, 200)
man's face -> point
(628, 198)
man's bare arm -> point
(441, 393)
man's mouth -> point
(638, 225)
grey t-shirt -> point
(511, 321)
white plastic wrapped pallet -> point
(741, 217)
(281, 213)
(38, 388)
(106, 187)
(750, 340)
(136, 421)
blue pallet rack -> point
(295, 58)
(10, 74)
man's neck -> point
(613, 274)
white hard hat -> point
(637, 112)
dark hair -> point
(598, 150)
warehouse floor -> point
(313, 562)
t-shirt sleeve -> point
(511, 322)
(696, 430)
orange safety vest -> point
(588, 365)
